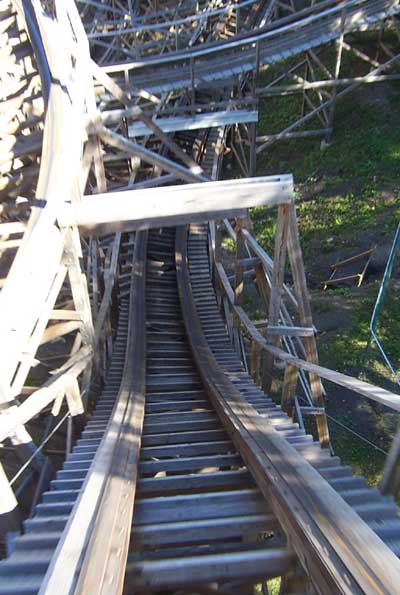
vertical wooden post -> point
(289, 389)
(390, 482)
(239, 279)
(281, 241)
(262, 286)
(337, 72)
(255, 362)
(300, 285)
(218, 241)
(80, 294)
(253, 151)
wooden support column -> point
(239, 281)
(304, 306)
(262, 286)
(255, 361)
(390, 482)
(80, 294)
(334, 91)
(278, 273)
(253, 149)
(289, 389)
(240, 253)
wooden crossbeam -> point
(208, 120)
(130, 210)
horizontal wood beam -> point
(194, 122)
(174, 205)
(286, 331)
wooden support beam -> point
(255, 361)
(194, 122)
(289, 389)
(286, 331)
(59, 330)
(278, 273)
(174, 205)
(305, 315)
(122, 143)
(14, 417)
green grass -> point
(345, 352)
(347, 195)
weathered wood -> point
(255, 361)
(304, 307)
(278, 273)
(142, 209)
(13, 417)
(289, 389)
(120, 142)
(100, 515)
(204, 120)
(239, 255)
(110, 275)
(286, 331)
(262, 564)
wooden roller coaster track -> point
(185, 476)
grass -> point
(348, 198)
(350, 185)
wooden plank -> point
(124, 144)
(142, 209)
(59, 330)
(278, 273)
(10, 519)
(105, 503)
(305, 315)
(202, 530)
(194, 122)
(286, 331)
(289, 389)
(110, 275)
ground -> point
(348, 200)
